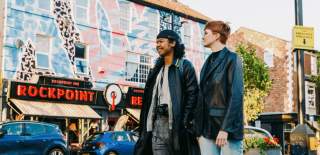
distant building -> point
(280, 106)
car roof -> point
(258, 129)
(29, 121)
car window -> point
(34, 129)
(120, 137)
(52, 129)
(12, 129)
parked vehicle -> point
(110, 143)
(260, 141)
(251, 131)
(30, 137)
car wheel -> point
(112, 153)
(56, 151)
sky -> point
(274, 17)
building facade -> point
(77, 48)
(279, 116)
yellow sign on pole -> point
(303, 37)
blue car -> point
(110, 143)
(29, 137)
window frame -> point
(86, 54)
(48, 53)
(313, 65)
(268, 52)
(307, 88)
(45, 10)
(184, 35)
(155, 25)
(142, 74)
(87, 8)
(121, 3)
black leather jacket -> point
(183, 90)
(220, 101)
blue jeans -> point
(209, 147)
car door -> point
(12, 141)
(36, 139)
(124, 144)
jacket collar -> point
(211, 67)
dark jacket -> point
(183, 90)
(220, 101)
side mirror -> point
(2, 133)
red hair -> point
(219, 27)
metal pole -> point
(300, 65)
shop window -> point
(44, 5)
(268, 58)
(81, 10)
(14, 129)
(313, 65)
(43, 46)
(187, 34)
(153, 24)
(137, 67)
(81, 61)
(125, 16)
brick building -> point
(280, 105)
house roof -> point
(176, 7)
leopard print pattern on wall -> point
(68, 31)
(28, 63)
(27, 68)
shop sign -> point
(134, 97)
(113, 95)
(303, 37)
(27, 91)
(57, 81)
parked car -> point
(257, 139)
(30, 137)
(110, 143)
(250, 131)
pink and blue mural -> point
(101, 32)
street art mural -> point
(112, 54)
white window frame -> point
(308, 85)
(268, 52)
(86, 54)
(139, 64)
(74, 6)
(154, 19)
(44, 53)
(184, 35)
(313, 64)
(45, 10)
(127, 19)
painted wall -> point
(107, 45)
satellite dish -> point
(19, 43)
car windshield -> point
(95, 136)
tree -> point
(257, 82)
(316, 78)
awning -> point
(134, 112)
(37, 108)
